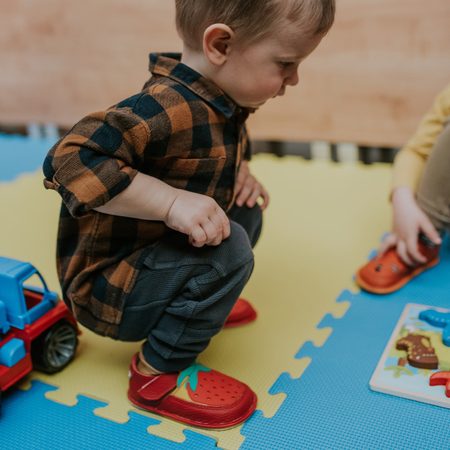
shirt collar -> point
(169, 65)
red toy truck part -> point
(36, 328)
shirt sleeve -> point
(96, 160)
(411, 159)
(247, 146)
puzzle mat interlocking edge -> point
(268, 346)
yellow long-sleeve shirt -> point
(410, 161)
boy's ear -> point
(217, 40)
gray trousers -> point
(433, 195)
(184, 294)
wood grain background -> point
(369, 82)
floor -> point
(309, 356)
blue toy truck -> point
(37, 330)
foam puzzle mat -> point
(318, 229)
(334, 407)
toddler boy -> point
(160, 211)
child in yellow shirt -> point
(420, 205)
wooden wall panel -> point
(369, 82)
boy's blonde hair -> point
(251, 20)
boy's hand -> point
(198, 216)
(408, 221)
(248, 189)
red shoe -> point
(241, 314)
(197, 396)
(387, 273)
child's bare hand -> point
(198, 216)
(248, 189)
(389, 241)
(408, 221)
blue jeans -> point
(183, 294)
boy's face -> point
(261, 71)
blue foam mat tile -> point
(345, 295)
(30, 153)
(305, 350)
(29, 421)
(328, 321)
(331, 406)
(280, 385)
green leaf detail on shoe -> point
(191, 373)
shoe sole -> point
(388, 290)
(168, 415)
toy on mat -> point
(426, 355)
(439, 320)
(419, 350)
(36, 328)
(441, 379)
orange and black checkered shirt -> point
(182, 129)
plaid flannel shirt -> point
(182, 129)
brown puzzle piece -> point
(420, 352)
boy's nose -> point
(292, 79)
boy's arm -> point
(196, 215)
(146, 198)
(93, 168)
(96, 160)
(249, 190)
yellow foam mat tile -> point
(322, 219)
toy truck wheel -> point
(55, 348)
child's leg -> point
(182, 298)
(184, 295)
(433, 195)
(243, 311)
(250, 219)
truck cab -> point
(36, 328)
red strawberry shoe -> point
(241, 314)
(196, 396)
(387, 273)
